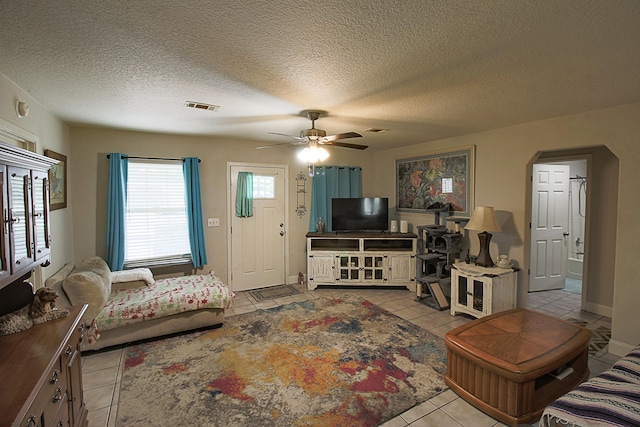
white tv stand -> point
(361, 259)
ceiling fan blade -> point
(342, 136)
(297, 138)
(345, 145)
(260, 147)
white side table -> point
(480, 291)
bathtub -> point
(574, 266)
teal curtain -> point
(193, 201)
(244, 195)
(331, 182)
(116, 210)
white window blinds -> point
(156, 220)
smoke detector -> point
(201, 106)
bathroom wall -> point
(577, 217)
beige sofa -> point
(120, 313)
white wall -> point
(90, 146)
(502, 179)
(49, 133)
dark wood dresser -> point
(42, 375)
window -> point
(264, 187)
(156, 220)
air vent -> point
(201, 106)
(376, 130)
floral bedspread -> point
(163, 298)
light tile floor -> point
(102, 371)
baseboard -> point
(292, 280)
(620, 348)
(602, 310)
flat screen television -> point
(360, 214)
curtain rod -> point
(341, 167)
(150, 158)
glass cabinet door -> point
(5, 268)
(40, 214)
(462, 291)
(19, 220)
(478, 295)
(349, 267)
(373, 268)
(471, 293)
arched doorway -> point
(599, 227)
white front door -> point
(258, 242)
(549, 227)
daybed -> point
(122, 312)
(609, 399)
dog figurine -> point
(43, 306)
(44, 301)
(40, 310)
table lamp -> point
(484, 220)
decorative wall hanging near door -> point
(301, 193)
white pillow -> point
(133, 275)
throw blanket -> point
(609, 399)
(163, 298)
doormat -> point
(600, 336)
(274, 292)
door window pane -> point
(264, 187)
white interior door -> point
(258, 242)
(549, 226)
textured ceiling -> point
(426, 70)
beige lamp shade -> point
(483, 219)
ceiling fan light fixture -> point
(313, 134)
(313, 154)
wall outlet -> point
(213, 222)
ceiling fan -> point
(313, 136)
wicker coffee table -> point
(514, 363)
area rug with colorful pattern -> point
(339, 361)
